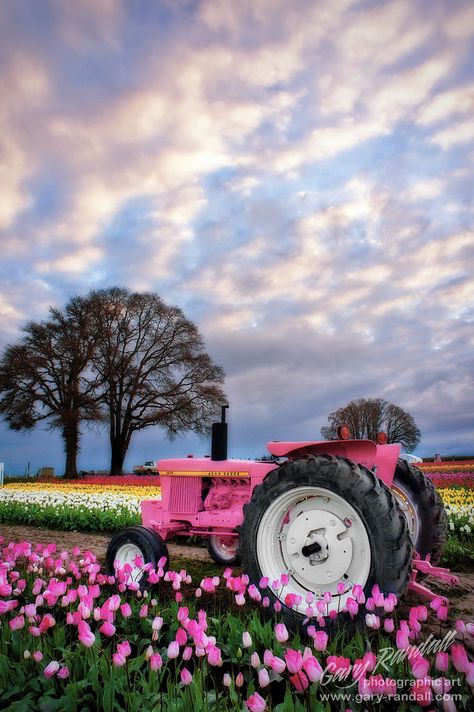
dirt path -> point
(97, 543)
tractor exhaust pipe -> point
(219, 438)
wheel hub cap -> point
(318, 538)
(127, 554)
(323, 527)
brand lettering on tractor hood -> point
(204, 473)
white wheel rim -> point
(126, 554)
(225, 547)
(409, 509)
(300, 517)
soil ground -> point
(461, 597)
(97, 543)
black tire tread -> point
(434, 532)
(217, 558)
(142, 537)
(392, 549)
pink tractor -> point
(328, 514)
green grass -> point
(459, 553)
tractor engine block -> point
(227, 493)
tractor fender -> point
(363, 452)
(380, 458)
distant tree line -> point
(114, 357)
(366, 417)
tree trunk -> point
(119, 443)
(71, 446)
(116, 462)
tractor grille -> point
(185, 495)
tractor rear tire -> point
(324, 520)
(424, 509)
(220, 551)
(132, 542)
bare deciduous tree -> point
(366, 417)
(151, 368)
(45, 377)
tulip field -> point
(76, 639)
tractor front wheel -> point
(136, 546)
(327, 524)
(423, 509)
(223, 550)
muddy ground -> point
(461, 598)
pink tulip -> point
(299, 681)
(183, 614)
(124, 648)
(422, 692)
(277, 664)
(125, 610)
(460, 626)
(449, 704)
(442, 661)
(16, 623)
(370, 661)
(239, 680)
(246, 639)
(187, 653)
(173, 650)
(460, 659)
(214, 655)
(256, 703)
(85, 635)
(186, 677)
(313, 669)
(51, 669)
(181, 636)
(118, 659)
(389, 625)
(352, 606)
(320, 640)
(338, 664)
(436, 603)
(372, 621)
(376, 684)
(37, 656)
(255, 660)
(294, 660)
(401, 640)
(263, 678)
(441, 685)
(107, 629)
(420, 667)
(422, 613)
(281, 633)
(442, 613)
(63, 673)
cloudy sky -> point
(298, 177)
